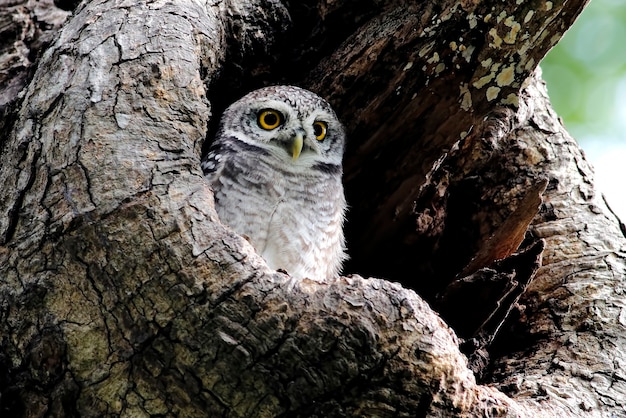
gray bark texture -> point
(121, 294)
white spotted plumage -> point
(290, 205)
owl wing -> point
(212, 163)
(224, 148)
(227, 148)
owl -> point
(275, 168)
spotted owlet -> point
(275, 169)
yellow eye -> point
(319, 129)
(269, 119)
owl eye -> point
(269, 119)
(319, 129)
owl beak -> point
(296, 146)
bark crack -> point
(13, 214)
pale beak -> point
(296, 146)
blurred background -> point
(586, 78)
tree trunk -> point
(122, 294)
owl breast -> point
(292, 217)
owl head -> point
(293, 124)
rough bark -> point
(122, 294)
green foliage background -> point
(585, 71)
(586, 78)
